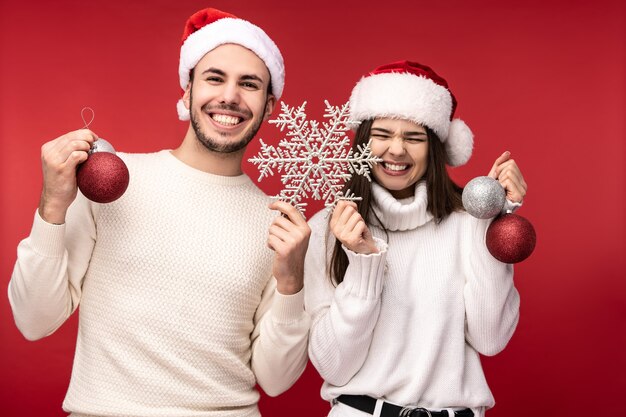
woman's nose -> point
(396, 147)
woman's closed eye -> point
(415, 139)
(379, 136)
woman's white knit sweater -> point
(408, 324)
(179, 315)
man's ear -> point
(187, 95)
(269, 106)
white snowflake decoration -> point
(316, 162)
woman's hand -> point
(508, 174)
(350, 229)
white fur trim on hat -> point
(229, 30)
(459, 143)
(403, 96)
(416, 98)
(183, 112)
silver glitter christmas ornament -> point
(101, 145)
(483, 197)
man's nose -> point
(229, 93)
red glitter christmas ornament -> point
(511, 238)
(103, 177)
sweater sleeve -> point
(279, 340)
(491, 300)
(343, 318)
(45, 286)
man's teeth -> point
(226, 120)
(394, 167)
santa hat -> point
(209, 28)
(411, 91)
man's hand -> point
(350, 229)
(289, 239)
(59, 159)
(508, 174)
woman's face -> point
(403, 146)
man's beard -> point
(210, 143)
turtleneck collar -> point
(405, 214)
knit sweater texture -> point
(408, 324)
(179, 314)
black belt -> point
(368, 404)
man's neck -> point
(194, 154)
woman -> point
(410, 296)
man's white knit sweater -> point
(407, 324)
(179, 314)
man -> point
(183, 308)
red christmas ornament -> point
(103, 177)
(511, 238)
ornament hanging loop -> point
(82, 116)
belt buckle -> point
(408, 412)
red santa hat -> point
(209, 28)
(411, 91)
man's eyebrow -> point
(245, 77)
(381, 130)
(214, 71)
(248, 77)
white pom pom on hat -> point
(209, 28)
(412, 91)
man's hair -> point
(444, 195)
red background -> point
(543, 79)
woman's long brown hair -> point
(444, 195)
